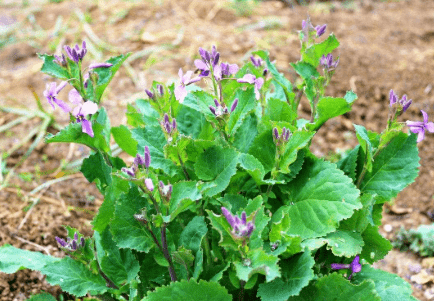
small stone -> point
(388, 228)
(428, 263)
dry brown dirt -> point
(384, 45)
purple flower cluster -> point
(139, 160)
(257, 62)
(185, 80)
(71, 244)
(210, 61)
(168, 126)
(307, 28)
(82, 110)
(354, 266)
(151, 94)
(403, 102)
(51, 92)
(76, 54)
(286, 133)
(419, 127)
(327, 62)
(220, 109)
(240, 227)
(165, 190)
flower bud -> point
(149, 184)
(234, 105)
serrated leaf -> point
(298, 140)
(74, 278)
(258, 262)
(95, 168)
(218, 165)
(120, 265)
(279, 110)
(296, 273)
(344, 243)
(313, 54)
(200, 101)
(153, 137)
(362, 217)
(183, 257)
(189, 290)
(51, 68)
(255, 207)
(376, 246)
(246, 103)
(126, 230)
(246, 133)
(73, 133)
(105, 75)
(348, 164)
(117, 187)
(263, 148)
(190, 122)
(124, 139)
(394, 168)
(335, 287)
(253, 167)
(184, 194)
(192, 235)
(322, 196)
(329, 107)
(389, 287)
(13, 259)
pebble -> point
(388, 228)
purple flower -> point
(419, 127)
(240, 227)
(185, 80)
(327, 62)
(150, 94)
(354, 266)
(51, 91)
(130, 171)
(320, 30)
(283, 138)
(147, 157)
(209, 59)
(251, 79)
(393, 98)
(256, 62)
(100, 65)
(61, 60)
(76, 54)
(220, 109)
(165, 190)
(168, 126)
(160, 90)
(225, 70)
(149, 184)
(82, 110)
(71, 244)
(403, 102)
(234, 105)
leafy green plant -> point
(420, 241)
(224, 199)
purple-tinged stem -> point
(166, 253)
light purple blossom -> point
(403, 102)
(251, 79)
(354, 266)
(327, 62)
(240, 227)
(393, 98)
(149, 184)
(130, 171)
(165, 190)
(51, 92)
(76, 54)
(61, 60)
(225, 70)
(220, 109)
(256, 62)
(320, 30)
(185, 80)
(419, 127)
(71, 244)
(168, 126)
(100, 65)
(208, 59)
(82, 110)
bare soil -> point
(384, 45)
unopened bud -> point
(150, 94)
(234, 105)
(149, 184)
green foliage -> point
(420, 241)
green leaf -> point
(253, 167)
(376, 246)
(190, 122)
(13, 259)
(362, 217)
(329, 107)
(313, 54)
(344, 243)
(246, 133)
(153, 137)
(218, 165)
(192, 235)
(120, 265)
(124, 139)
(189, 290)
(95, 168)
(279, 110)
(246, 104)
(297, 272)
(74, 277)
(298, 140)
(348, 164)
(365, 143)
(200, 101)
(389, 287)
(126, 230)
(258, 261)
(335, 287)
(305, 70)
(42, 297)
(73, 133)
(219, 223)
(184, 194)
(394, 168)
(105, 75)
(321, 196)
(263, 148)
(106, 211)
(51, 68)
(256, 209)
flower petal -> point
(248, 78)
(180, 93)
(86, 127)
(89, 108)
(200, 65)
(425, 116)
(75, 97)
(60, 86)
(100, 65)
(420, 135)
(62, 105)
(430, 127)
